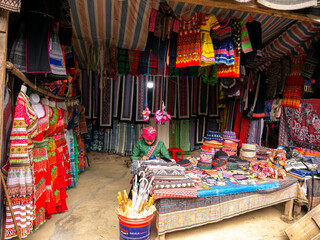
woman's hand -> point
(144, 158)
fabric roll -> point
(121, 138)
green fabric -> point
(141, 149)
(185, 136)
(76, 154)
(174, 134)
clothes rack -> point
(21, 76)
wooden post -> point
(287, 216)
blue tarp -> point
(232, 188)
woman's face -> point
(149, 142)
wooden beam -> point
(23, 77)
(251, 7)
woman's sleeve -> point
(164, 151)
(136, 152)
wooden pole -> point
(10, 206)
(4, 20)
(251, 7)
(23, 77)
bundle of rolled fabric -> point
(185, 163)
(205, 161)
(248, 152)
(230, 144)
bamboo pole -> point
(10, 206)
(23, 77)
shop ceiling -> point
(124, 23)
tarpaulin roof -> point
(124, 24)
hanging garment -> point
(207, 50)
(20, 177)
(189, 41)
(255, 34)
(223, 43)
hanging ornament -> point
(146, 112)
(162, 116)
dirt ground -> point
(92, 204)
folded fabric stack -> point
(248, 152)
(230, 144)
(165, 172)
(234, 162)
(205, 161)
(185, 163)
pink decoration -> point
(162, 116)
(146, 112)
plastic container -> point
(135, 228)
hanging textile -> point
(163, 133)
(192, 134)
(98, 134)
(200, 129)
(189, 41)
(300, 126)
(106, 102)
(127, 98)
(293, 91)
(123, 62)
(88, 136)
(157, 93)
(203, 98)
(121, 138)
(183, 97)
(185, 136)
(213, 101)
(114, 137)
(20, 178)
(230, 115)
(174, 134)
(134, 57)
(130, 139)
(194, 96)
(116, 91)
(141, 97)
(172, 96)
(255, 131)
(86, 92)
(95, 101)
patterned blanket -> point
(301, 127)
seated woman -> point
(149, 147)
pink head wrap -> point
(149, 133)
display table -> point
(175, 214)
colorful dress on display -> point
(207, 50)
(20, 175)
(189, 41)
(223, 43)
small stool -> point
(174, 152)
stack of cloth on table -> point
(234, 162)
(230, 143)
(263, 152)
(212, 142)
(248, 152)
(170, 181)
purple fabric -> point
(127, 98)
(183, 98)
(255, 131)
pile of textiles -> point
(248, 152)
(263, 152)
(170, 180)
(230, 144)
